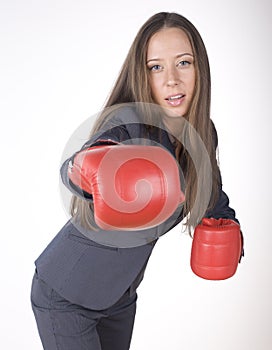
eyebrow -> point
(177, 56)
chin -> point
(175, 112)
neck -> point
(174, 125)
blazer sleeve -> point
(221, 208)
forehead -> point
(169, 41)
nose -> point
(172, 78)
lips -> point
(175, 100)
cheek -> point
(155, 87)
(191, 82)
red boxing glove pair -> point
(133, 187)
(137, 187)
(217, 249)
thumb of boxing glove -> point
(216, 249)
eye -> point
(155, 68)
(184, 63)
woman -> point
(84, 289)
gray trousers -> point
(66, 326)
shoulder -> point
(120, 116)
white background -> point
(58, 61)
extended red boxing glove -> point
(216, 249)
(133, 186)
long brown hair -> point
(132, 85)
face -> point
(170, 63)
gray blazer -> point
(95, 275)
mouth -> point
(175, 100)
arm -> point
(222, 208)
(218, 240)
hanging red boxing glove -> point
(216, 249)
(133, 186)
